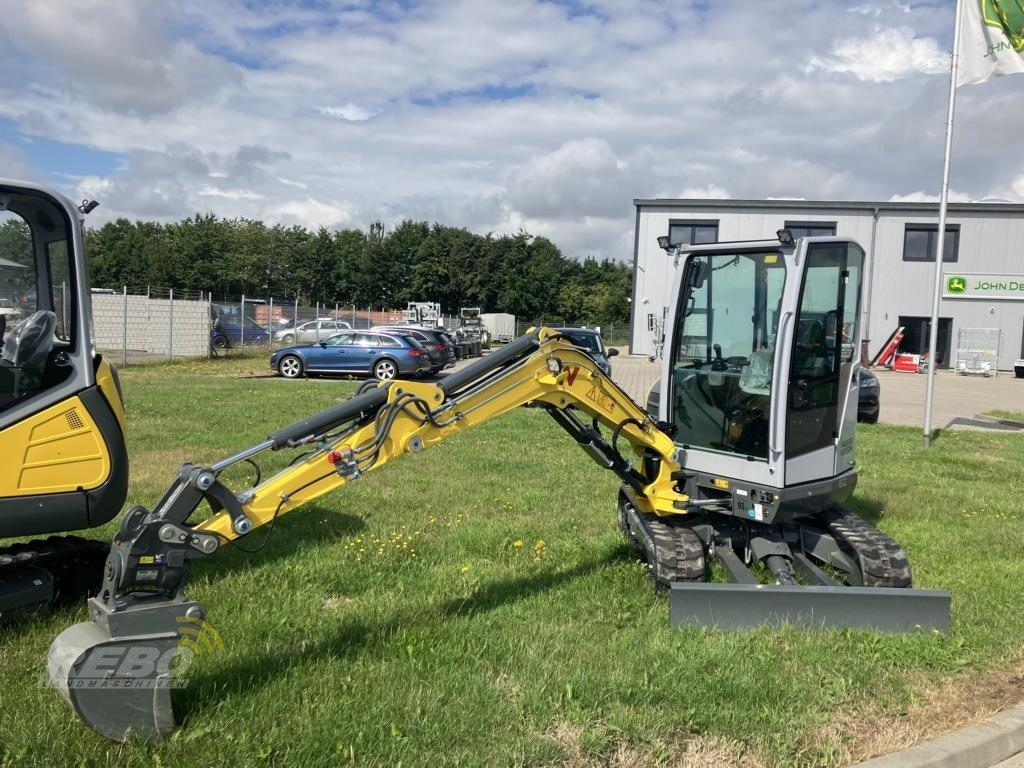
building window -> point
(919, 242)
(811, 228)
(692, 232)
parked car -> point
(314, 330)
(593, 345)
(868, 406)
(232, 330)
(13, 313)
(382, 355)
(437, 343)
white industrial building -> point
(983, 266)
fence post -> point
(295, 313)
(241, 323)
(170, 328)
(270, 324)
(209, 325)
(124, 346)
(316, 321)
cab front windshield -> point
(723, 359)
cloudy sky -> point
(495, 115)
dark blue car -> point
(382, 355)
(231, 331)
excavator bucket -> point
(117, 686)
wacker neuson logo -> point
(976, 286)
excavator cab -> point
(61, 415)
(759, 366)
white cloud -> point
(886, 55)
(351, 112)
(229, 194)
(926, 197)
(709, 191)
(493, 116)
(310, 213)
(583, 177)
(290, 183)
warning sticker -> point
(601, 399)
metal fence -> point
(149, 325)
(132, 326)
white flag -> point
(991, 40)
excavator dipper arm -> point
(115, 670)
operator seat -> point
(25, 352)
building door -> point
(916, 333)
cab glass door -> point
(825, 334)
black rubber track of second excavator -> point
(75, 563)
(680, 553)
(882, 561)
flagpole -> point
(941, 238)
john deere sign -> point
(975, 286)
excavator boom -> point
(116, 669)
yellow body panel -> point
(56, 450)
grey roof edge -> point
(824, 205)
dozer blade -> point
(117, 686)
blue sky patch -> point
(59, 159)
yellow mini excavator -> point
(746, 460)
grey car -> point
(313, 331)
(592, 344)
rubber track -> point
(76, 563)
(883, 562)
(679, 551)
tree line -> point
(415, 261)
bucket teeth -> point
(118, 686)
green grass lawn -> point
(1017, 416)
(474, 605)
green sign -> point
(977, 286)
